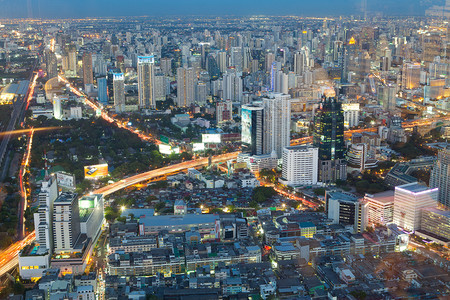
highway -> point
(9, 258)
(172, 169)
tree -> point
(159, 206)
(319, 191)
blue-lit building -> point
(102, 90)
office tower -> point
(200, 93)
(277, 123)
(204, 48)
(359, 156)
(432, 45)
(387, 97)
(380, 208)
(119, 92)
(166, 66)
(88, 73)
(252, 121)
(351, 114)
(410, 76)
(222, 61)
(435, 224)
(440, 177)
(328, 136)
(145, 81)
(51, 63)
(281, 83)
(185, 87)
(363, 66)
(300, 165)
(102, 89)
(232, 85)
(66, 222)
(224, 111)
(409, 199)
(43, 218)
(345, 209)
(57, 108)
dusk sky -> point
(101, 8)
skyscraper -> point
(88, 73)
(43, 218)
(146, 81)
(102, 90)
(185, 86)
(440, 177)
(252, 119)
(66, 222)
(409, 199)
(119, 92)
(277, 123)
(410, 76)
(224, 111)
(51, 64)
(328, 136)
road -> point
(9, 258)
(176, 168)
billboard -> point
(65, 180)
(95, 171)
(167, 149)
(246, 123)
(198, 147)
(213, 138)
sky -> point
(111, 8)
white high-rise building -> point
(351, 114)
(440, 177)
(232, 85)
(57, 108)
(237, 58)
(119, 92)
(200, 93)
(300, 165)
(43, 218)
(409, 199)
(66, 222)
(146, 71)
(277, 123)
(161, 86)
(222, 61)
(185, 87)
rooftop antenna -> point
(46, 165)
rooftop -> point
(383, 197)
(178, 220)
(414, 188)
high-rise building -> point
(300, 165)
(185, 87)
(200, 93)
(252, 122)
(410, 76)
(351, 114)
(70, 61)
(43, 218)
(345, 209)
(88, 72)
(435, 225)
(277, 123)
(222, 61)
(57, 108)
(224, 111)
(145, 81)
(102, 89)
(328, 136)
(440, 177)
(119, 92)
(409, 199)
(380, 208)
(387, 97)
(237, 58)
(51, 64)
(232, 85)
(66, 222)
(166, 66)
(161, 86)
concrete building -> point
(185, 87)
(351, 114)
(88, 72)
(345, 209)
(119, 92)
(252, 121)
(224, 111)
(300, 165)
(409, 199)
(277, 123)
(145, 67)
(435, 225)
(66, 222)
(380, 208)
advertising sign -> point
(246, 126)
(65, 180)
(213, 138)
(95, 171)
